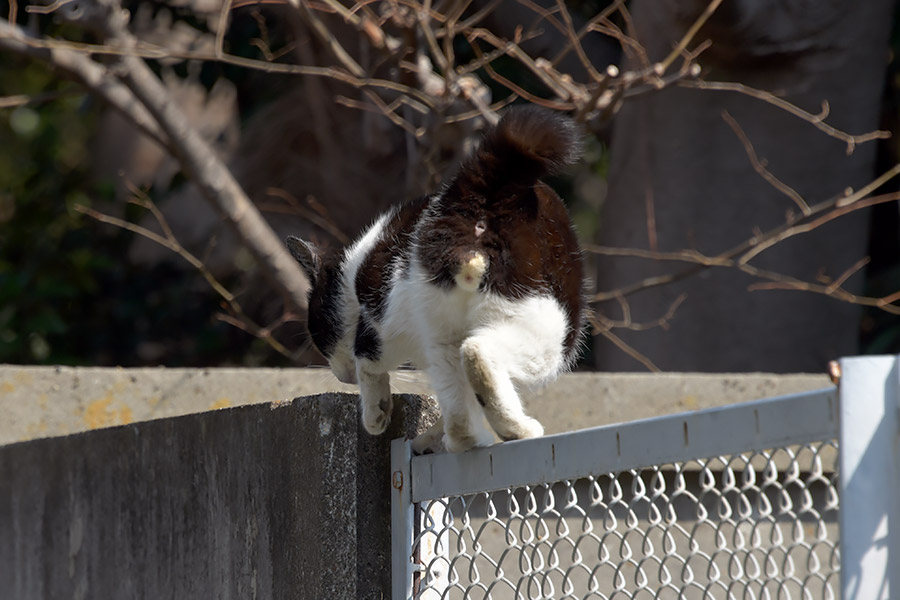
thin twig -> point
(45, 9)
(575, 41)
(144, 50)
(762, 243)
(689, 35)
(309, 215)
(570, 43)
(328, 39)
(622, 345)
(837, 283)
(517, 90)
(169, 242)
(728, 260)
(760, 166)
(816, 120)
(222, 28)
(626, 321)
(513, 50)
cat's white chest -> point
(441, 315)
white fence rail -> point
(736, 502)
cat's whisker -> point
(406, 376)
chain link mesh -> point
(744, 526)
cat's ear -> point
(307, 255)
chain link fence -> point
(751, 525)
(739, 502)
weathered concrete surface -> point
(580, 400)
(51, 401)
(47, 401)
(261, 501)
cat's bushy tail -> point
(528, 143)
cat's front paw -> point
(377, 416)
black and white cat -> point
(479, 285)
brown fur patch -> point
(374, 276)
(527, 239)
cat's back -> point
(388, 256)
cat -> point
(480, 285)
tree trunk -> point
(681, 179)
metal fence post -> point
(402, 518)
(870, 478)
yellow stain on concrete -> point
(23, 378)
(101, 413)
(6, 387)
(690, 402)
(222, 402)
(37, 429)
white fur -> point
(468, 342)
(342, 362)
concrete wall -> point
(284, 500)
(50, 401)
(262, 499)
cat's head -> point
(325, 319)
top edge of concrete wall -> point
(51, 401)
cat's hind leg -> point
(527, 349)
(431, 440)
(495, 391)
(463, 420)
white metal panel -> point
(870, 478)
(758, 425)
(402, 516)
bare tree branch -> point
(734, 259)
(92, 75)
(238, 317)
(426, 89)
(199, 160)
(759, 165)
(689, 35)
(816, 120)
(599, 329)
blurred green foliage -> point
(42, 173)
(67, 292)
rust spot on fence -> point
(834, 371)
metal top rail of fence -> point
(742, 501)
